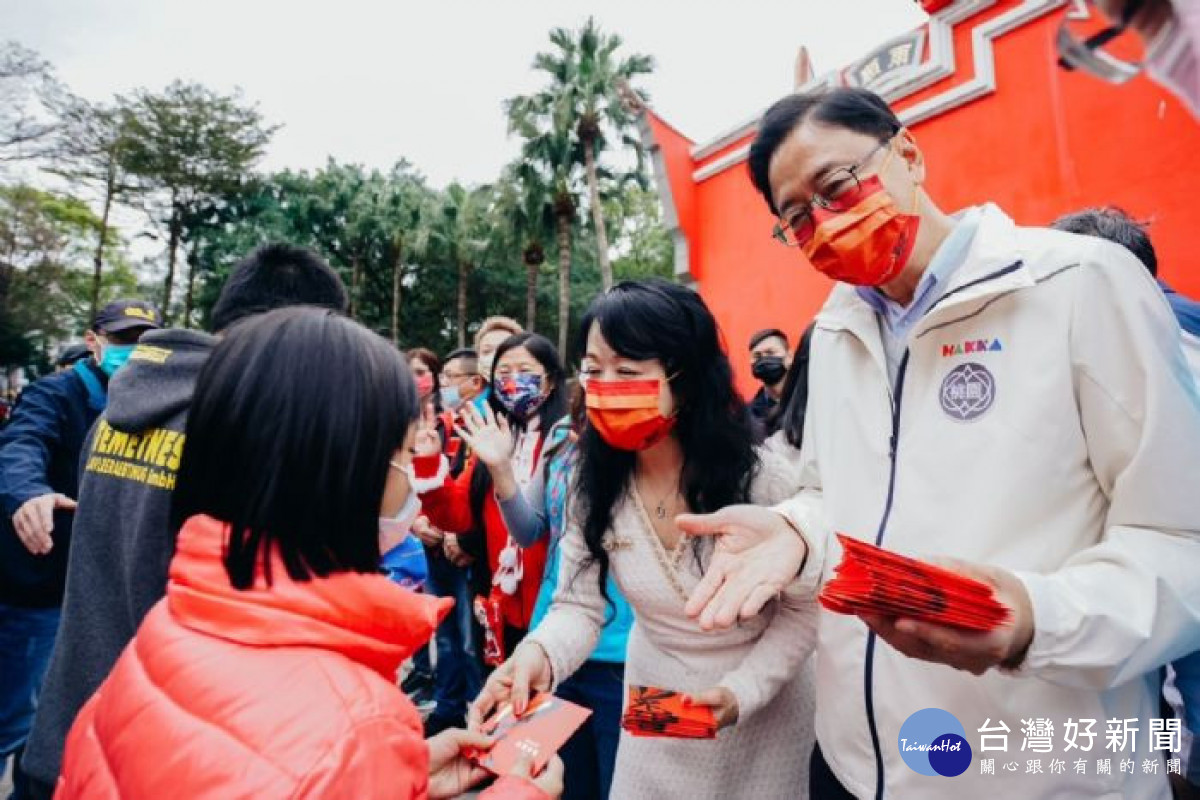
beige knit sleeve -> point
(570, 630)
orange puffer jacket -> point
(285, 690)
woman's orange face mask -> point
(626, 413)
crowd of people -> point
(281, 558)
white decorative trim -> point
(661, 178)
(983, 82)
(941, 54)
(424, 485)
(662, 183)
(683, 263)
(941, 60)
(721, 164)
(725, 138)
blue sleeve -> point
(26, 444)
(1187, 312)
(525, 512)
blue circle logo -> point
(933, 742)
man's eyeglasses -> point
(840, 192)
(1087, 53)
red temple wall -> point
(1044, 143)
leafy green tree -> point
(191, 146)
(586, 77)
(643, 245)
(525, 211)
(45, 283)
(88, 153)
(457, 232)
(29, 98)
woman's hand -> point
(489, 437)
(757, 554)
(526, 671)
(550, 780)
(450, 772)
(430, 536)
(722, 702)
(428, 441)
(453, 550)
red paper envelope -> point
(544, 727)
(871, 580)
(662, 712)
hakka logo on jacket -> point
(974, 346)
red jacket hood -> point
(367, 618)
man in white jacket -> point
(1013, 400)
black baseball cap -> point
(72, 353)
(122, 315)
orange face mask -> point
(869, 244)
(625, 413)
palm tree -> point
(584, 94)
(524, 204)
(555, 151)
(456, 231)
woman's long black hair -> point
(551, 411)
(295, 419)
(658, 320)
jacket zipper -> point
(869, 670)
(893, 445)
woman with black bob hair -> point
(527, 405)
(668, 434)
(270, 667)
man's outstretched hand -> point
(757, 555)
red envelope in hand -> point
(871, 580)
(544, 727)
(663, 712)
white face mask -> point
(1173, 59)
(393, 530)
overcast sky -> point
(370, 81)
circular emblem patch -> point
(968, 391)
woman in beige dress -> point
(667, 434)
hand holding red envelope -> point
(871, 580)
(539, 733)
(663, 712)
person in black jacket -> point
(39, 477)
(770, 357)
(123, 537)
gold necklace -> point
(669, 566)
(660, 510)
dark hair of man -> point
(793, 399)
(434, 365)
(769, 333)
(469, 358)
(1116, 226)
(275, 276)
(854, 109)
(551, 411)
(295, 419)
(657, 320)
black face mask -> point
(769, 369)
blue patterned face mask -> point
(521, 394)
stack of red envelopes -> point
(539, 733)
(871, 580)
(662, 712)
